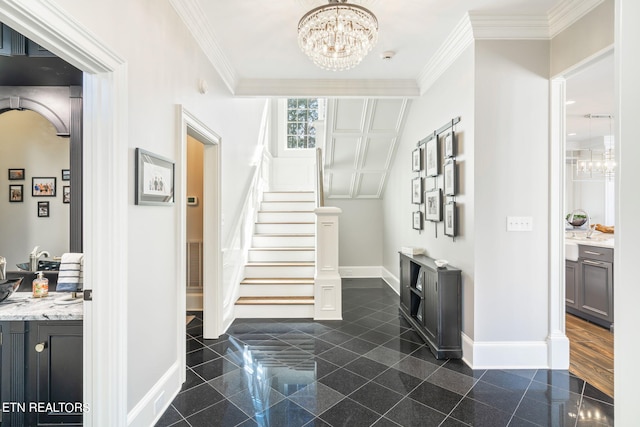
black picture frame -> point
(450, 219)
(432, 157)
(449, 142)
(155, 179)
(450, 184)
(416, 160)
(66, 174)
(66, 194)
(16, 193)
(433, 205)
(43, 209)
(16, 174)
(43, 186)
(416, 191)
(417, 220)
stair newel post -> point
(327, 281)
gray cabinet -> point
(572, 274)
(430, 300)
(593, 292)
(42, 368)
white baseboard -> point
(151, 407)
(392, 281)
(502, 355)
(360, 272)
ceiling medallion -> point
(337, 36)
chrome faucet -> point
(3, 268)
(590, 228)
(35, 256)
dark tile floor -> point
(369, 369)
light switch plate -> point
(519, 223)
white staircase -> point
(279, 274)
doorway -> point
(583, 142)
(207, 144)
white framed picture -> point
(432, 157)
(416, 160)
(450, 178)
(433, 203)
(450, 219)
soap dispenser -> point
(40, 286)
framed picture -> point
(416, 160)
(16, 193)
(433, 205)
(417, 220)
(16, 174)
(66, 174)
(450, 178)
(450, 220)
(43, 186)
(449, 145)
(66, 194)
(154, 179)
(43, 209)
(432, 157)
(416, 191)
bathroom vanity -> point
(589, 278)
(40, 360)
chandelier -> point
(337, 36)
(601, 164)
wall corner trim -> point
(567, 12)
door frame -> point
(105, 181)
(212, 302)
(557, 339)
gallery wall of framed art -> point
(435, 186)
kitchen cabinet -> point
(593, 297)
(42, 371)
(430, 300)
(572, 275)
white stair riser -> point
(285, 228)
(288, 206)
(274, 311)
(286, 217)
(289, 197)
(283, 241)
(269, 272)
(276, 290)
(257, 255)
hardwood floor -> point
(591, 353)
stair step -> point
(288, 206)
(289, 196)
(282, 254)
(286, 217)
(267, 287)
(276, 300)
(285, 227)
(284, 240)
(278, 281)
(279, 269)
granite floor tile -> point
(316, 398)
(348, 413)
(416, 367)
(452, 380)
(479, 414)
(435, 397)
(223, 413)
(366, 368)
(196, 399)
(285, 413)
(398, 381)
(409, 413)
(343, 381)
(376, 397)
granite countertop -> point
(22, 306)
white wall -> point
(165, 65)
(511, 179)
(28, 141)
(451, 96)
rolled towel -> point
(70, 274)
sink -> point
(571, 252)
(43, 265)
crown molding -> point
(378, 88)
(509, 27)
(457, 42)
(194, 18)
(567, 12)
